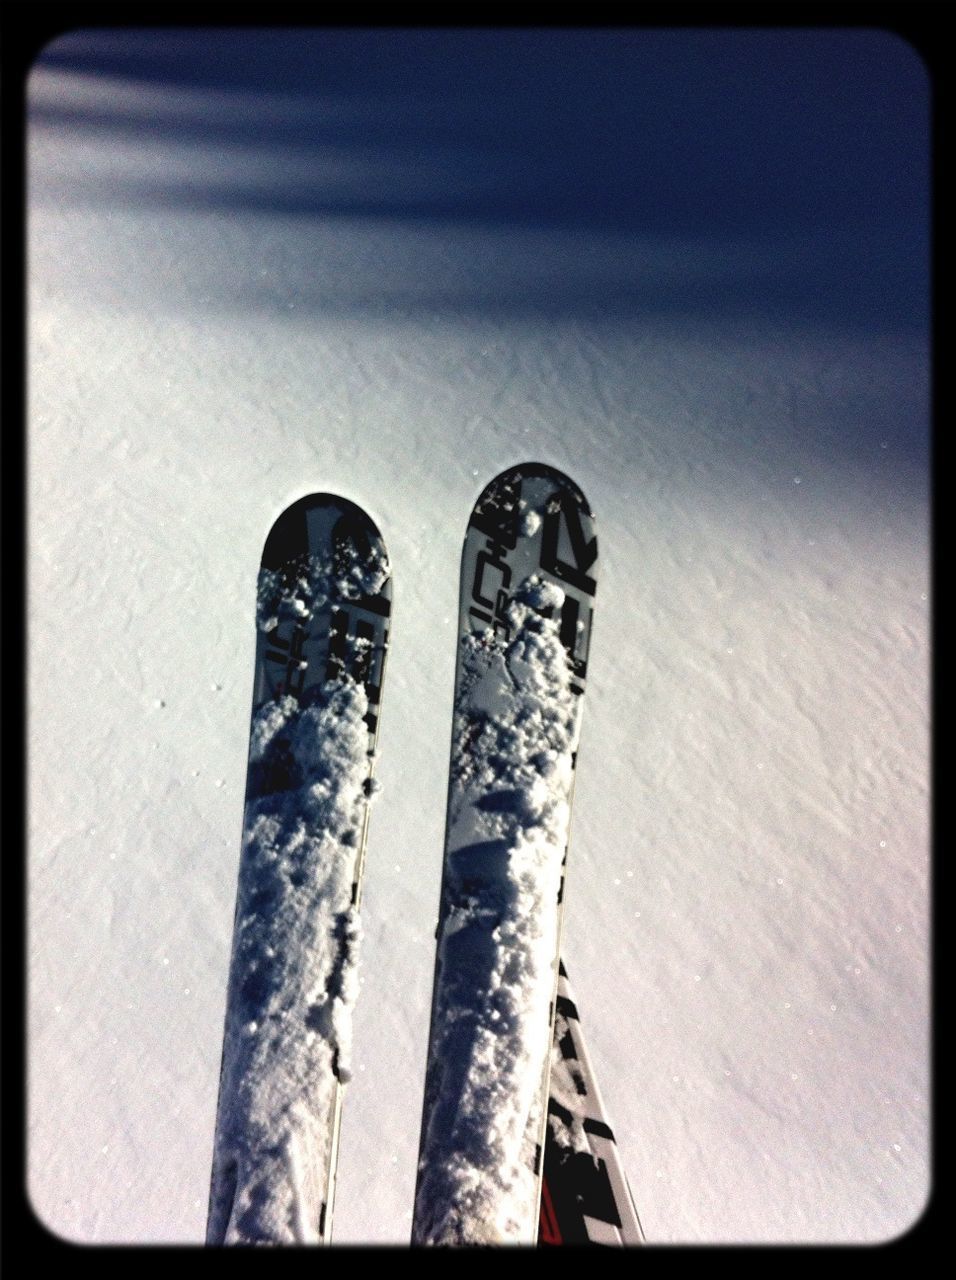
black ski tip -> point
(510, 478)
(288, 537)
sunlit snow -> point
(687, 268)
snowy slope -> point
(257, 270)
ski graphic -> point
(585, 1197)
(528, 580)
(322, 614)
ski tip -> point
(512, 476)
(294, 529)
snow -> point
(293, 978)
(685, 267)
(293, 974)
(516, 727)
(319, 581)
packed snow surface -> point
(688, 268)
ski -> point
(322, 614)
(585, 1197)
(528, 580)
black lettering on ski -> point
(491, 560)
(584, 550)
(364, 650)
(598, 1129)
(573, 635)
(289, 654)
(496, 514)
(363, 668)
(356, 656)
(338, 645)
(352, 544)
(561, 1113)
(374, 683)
(500, 620)
(494, 609)
(595, 1194)
(566, 1007)
(569, 624)
(276, 640)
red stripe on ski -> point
(548, 1230)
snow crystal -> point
(515, 731)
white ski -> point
(323, 607)
(527, 586)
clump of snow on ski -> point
(293, 974)
(516, 723)
(307, 584)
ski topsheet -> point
(585, 1198)
(322, 613)
(527, 587)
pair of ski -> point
(515, 1146)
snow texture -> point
(317, 580)
(566, 1088)
(686, 267)
(516, 726)
(293, 978)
